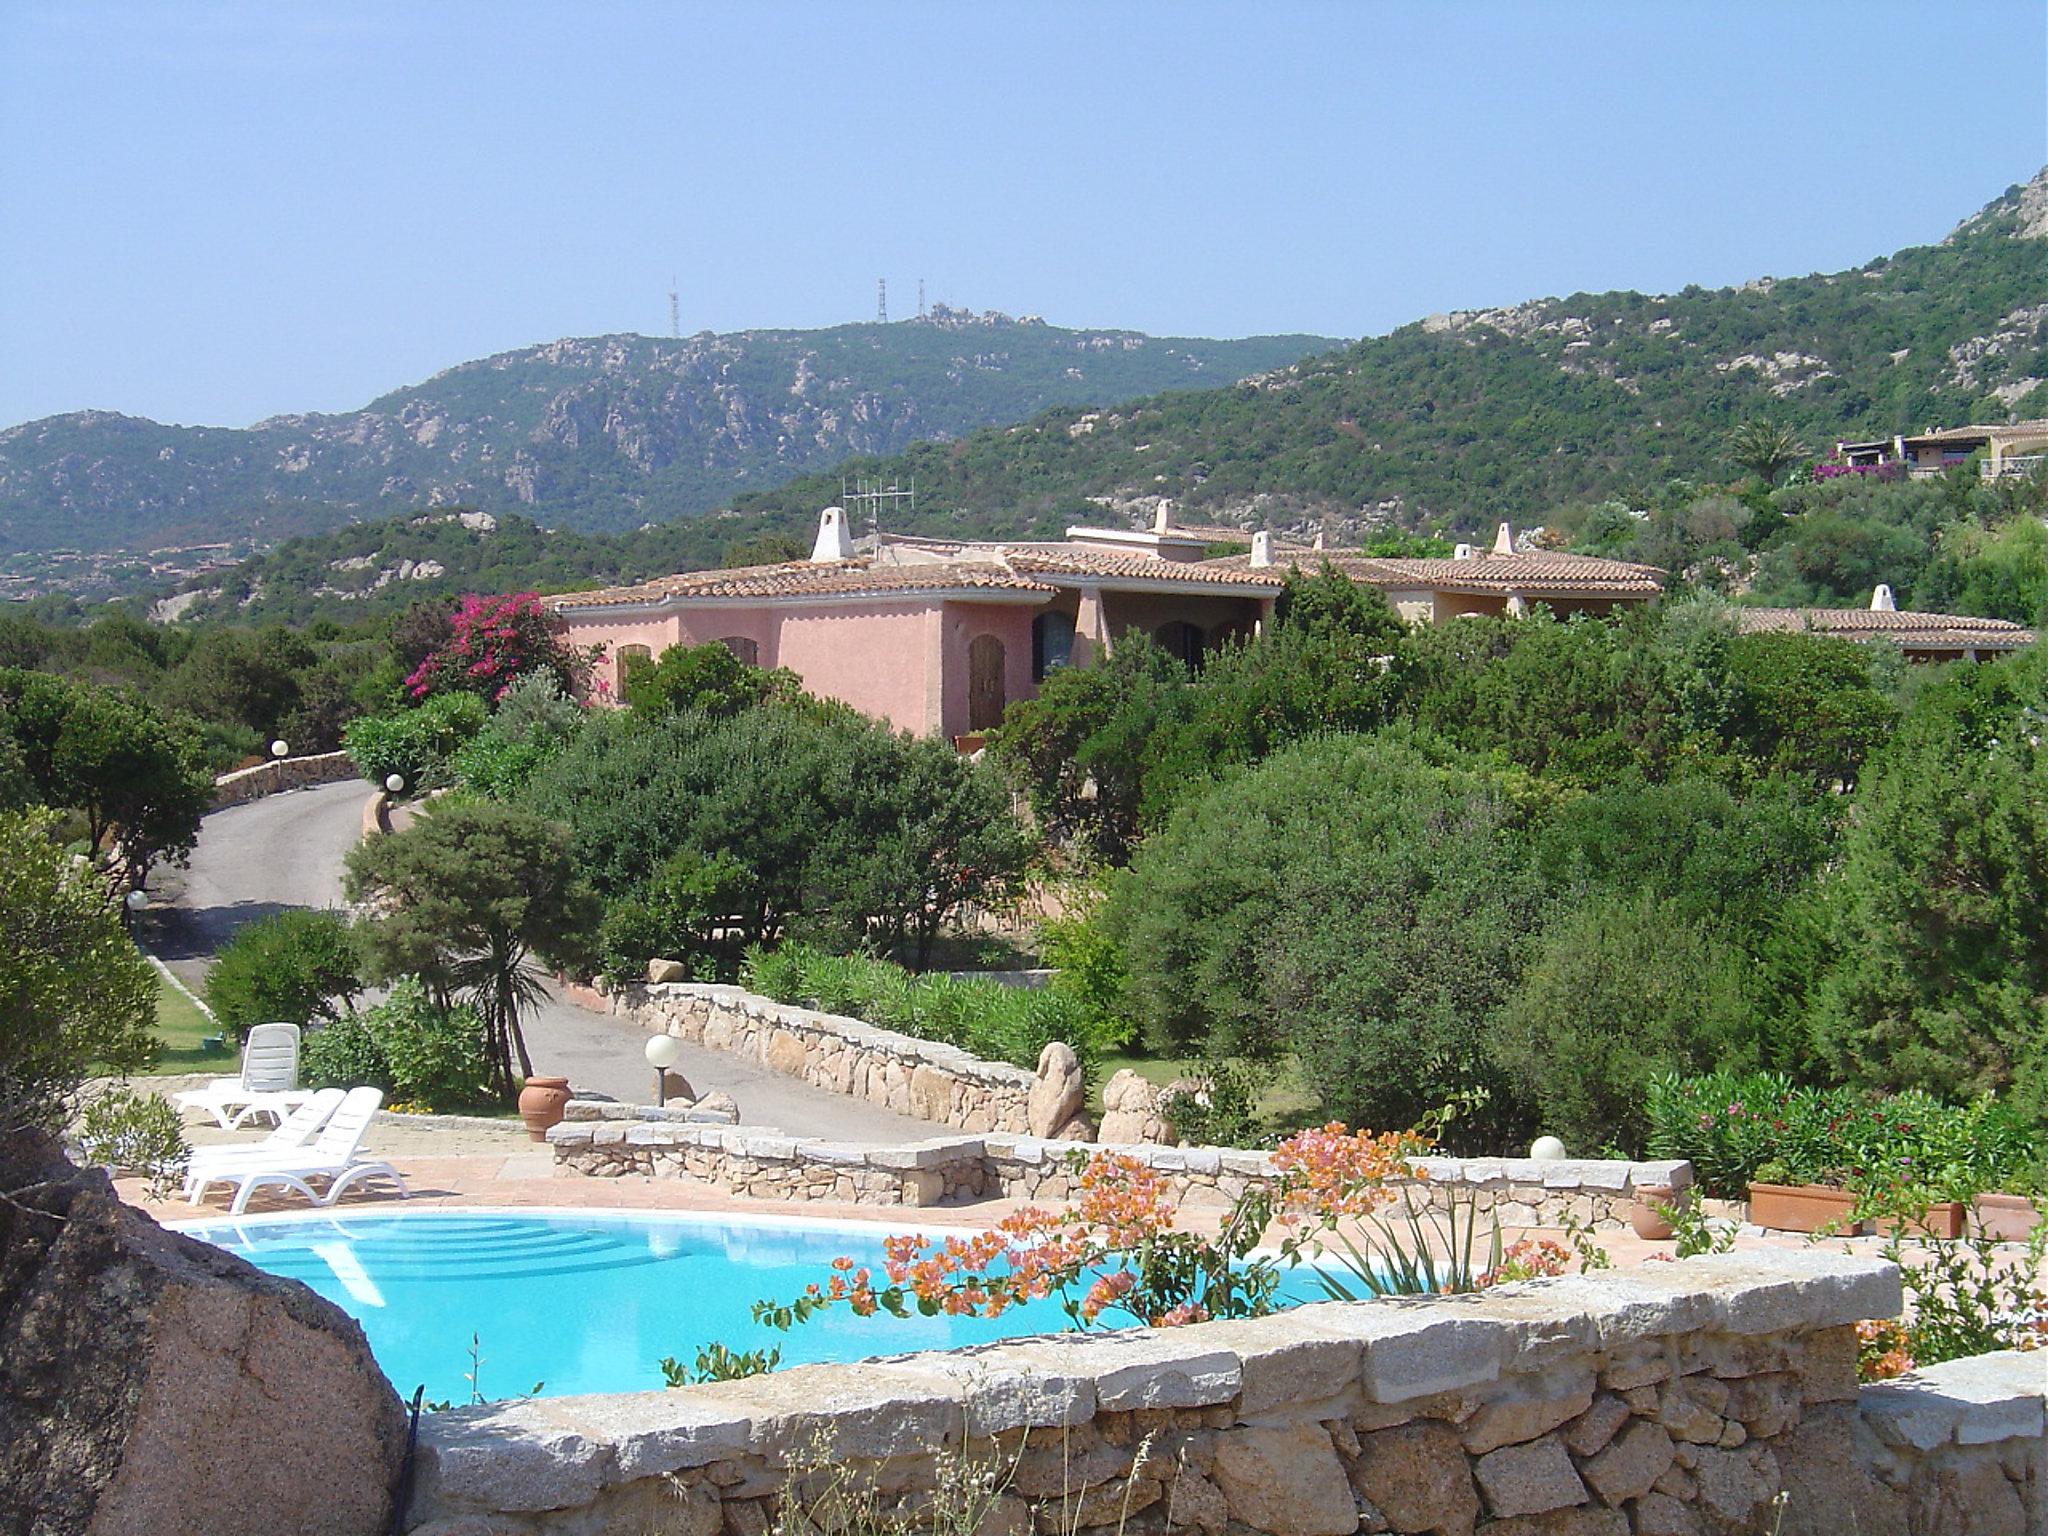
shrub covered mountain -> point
(1535, 413)
(1461, 419)
(603, 433)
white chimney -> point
(1463, 552)
(1504, 541)
(1262, 548)
(834, 541)
(1881, 600)
(1163, 518)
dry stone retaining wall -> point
(281, 774)
(950, 1169)
(923, 1078)
(1674, 1400)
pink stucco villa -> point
(940, 636)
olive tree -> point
(75, 994)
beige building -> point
(2014, 450)
(1922, 636)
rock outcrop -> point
(1131, 1114)
(1057, 1094)
(151, 1383)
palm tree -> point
(1764, 449)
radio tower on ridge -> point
(881, 301)
(675, 309)
(920, 298)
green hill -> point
(1462, 419)
(604, 433)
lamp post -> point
(395, 783)
(280, 749)
(137, 900)
(663, 1051)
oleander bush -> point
(1733, 1125)
(986, 1018)
(417, 744)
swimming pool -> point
(590, 1301)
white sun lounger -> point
(332, 1157)
(269, 1084)
(297, 1129)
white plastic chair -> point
(331, 1157)
(297, 1129)
(269, 1084)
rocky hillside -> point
(603, 433)
(1460, 419)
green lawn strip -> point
(1286, 1100)
(179, 1028)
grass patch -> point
(1286, 1102)
(179, 1027)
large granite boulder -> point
(1058, 1093)
(151, 1383)
(1131, 1113)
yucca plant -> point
(1410, 1252)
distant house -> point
(1502, 581)
(940, 636)
(1922, 636)
(933, 636)
(2014, 450)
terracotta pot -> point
(540, 1104)
(2009, 1218)
(1648, 1222)
(1944, 1219)
(1802, 1208)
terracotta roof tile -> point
(1531, 574)
(802, 578)
(1948, 630)
(1064, 560)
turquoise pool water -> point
(589, 1301)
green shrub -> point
(684, 913)
(436, 1055)
(291, 967)
(1732, 1125)
(1089, 968)
(986, 1018)
(132, 1132)
(417, 744)
(343, 1053)
(1221, 1111)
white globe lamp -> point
(1546, 1149)
(663, 1052)
(279, 748)
(395, 783)
(137, 900)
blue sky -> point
(211, 213)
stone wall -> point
(952, 1169)
(281, 774)
(935, 1082)
(1709, 1396)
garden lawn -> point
(1286, 1101)
(179, 1028)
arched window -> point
(1183, 640)
(747, 650)
(632, 656)
(985, 694)
(1052, 644)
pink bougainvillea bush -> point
(495, 640)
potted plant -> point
(2006, 1218)
(1777, 1201)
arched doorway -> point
(746, 650)
(630, 659)
(985, 696)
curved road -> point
(287, 850)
